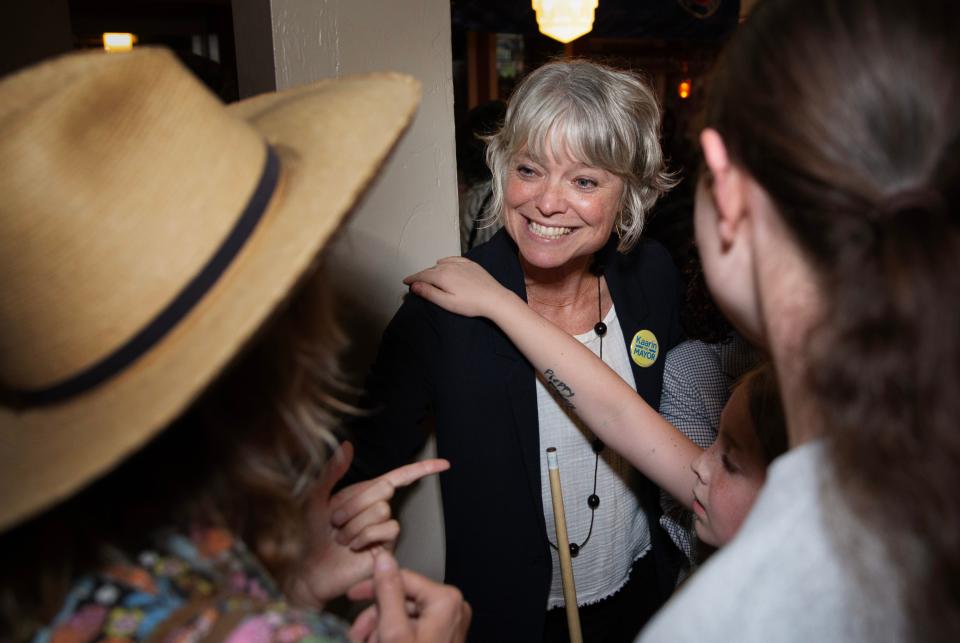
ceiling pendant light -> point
(565, 20)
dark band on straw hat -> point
(174, 312)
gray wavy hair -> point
(608, 118)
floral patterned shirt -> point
(203, 586)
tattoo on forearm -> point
(564, 392)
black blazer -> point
(480, 393)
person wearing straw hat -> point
(168, 361)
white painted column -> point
(408, 218)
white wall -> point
(409, 217)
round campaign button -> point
(644, 348)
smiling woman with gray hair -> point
(576, 166)
(606, 117)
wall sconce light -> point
(114, 42)
(565, 20)
(683, 89)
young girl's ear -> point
(727, 187)
(724, 231)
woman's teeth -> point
(550, 232)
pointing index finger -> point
(410, 473)
(350, 501)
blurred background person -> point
(477, 222)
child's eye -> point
(728, 464)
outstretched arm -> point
(609, 406)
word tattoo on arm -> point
(564, 392)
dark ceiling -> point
(639, 19)
(642, 19)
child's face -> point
(729, 474)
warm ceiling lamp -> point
(114, 42)
(565, 20)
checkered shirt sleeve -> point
(696, 384)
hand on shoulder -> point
(460, 286)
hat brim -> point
(331, 137)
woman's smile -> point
(548, 231)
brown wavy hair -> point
(244, 456)
(847, 112)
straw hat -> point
(146, 232)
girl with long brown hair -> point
(827, 222)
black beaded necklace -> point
(593, 500)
